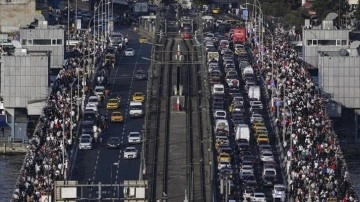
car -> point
(92, 107)
(186, 36)
(99, 90)
(269, 171)
(138, 97)
(256, 108)
(238, 99)
(246, 170)
(266, 155)
(114, 143)
(256, 103)
(117, 117)
(254, 117)
(268, 180)
(130, 153)
(140, 75)
(265, 147)
(134, 138)
(220, 114)
(262, 138)
(247, 192)
(85, 142)
(93, 100)
(218, 89)
(278, 191)
(143, 39)
(113, 103)
(257, 197)
(129, 52)
(224, 164)
(249, 180)
(87, 127)
(224, 157)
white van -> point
(218, 89)
(136, 109)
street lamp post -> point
(259, 26)
(111, 176)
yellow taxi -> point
(143, 39)
(224, 157)
(259, 126)
(262, 138)
(138, 97)
(260, 132)
(113, 103)
(117, 117)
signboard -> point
(68, 192)
(245, 14)
(78, 23)
(141, 7)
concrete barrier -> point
(13, 148)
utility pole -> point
(68, 22)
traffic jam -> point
(245, 152)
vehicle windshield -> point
(279, 188)
(116, 114)
(130, 150)
(85, 140)
(89, 116)
(136, 107)
(134, 135)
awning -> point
(3, 123)
(121, 2)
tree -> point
(324, 7)
(357, 12)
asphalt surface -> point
(97, 164)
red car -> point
(186, 36)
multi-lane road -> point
(108, 165)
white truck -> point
(242, 132)
(222, 126)
(254, 93)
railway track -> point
(194, 125)
(178, 163)
(161, 157)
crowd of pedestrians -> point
(48, 154)
(314, 166)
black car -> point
(268, 180)
(113, 143)
(249, 180)
(217, 105)
(140, 75)
(87, 127)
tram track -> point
(195, 171)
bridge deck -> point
(177, 181)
